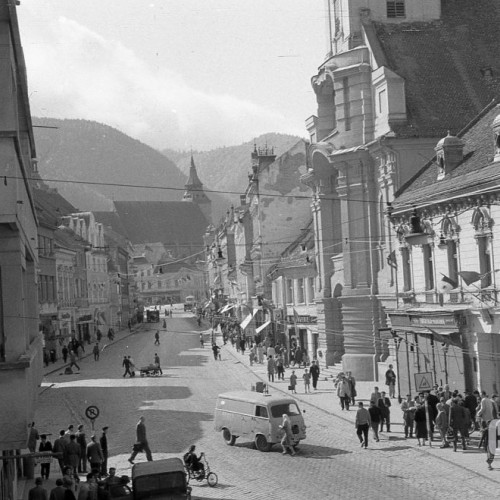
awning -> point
(261, 327)
(451, 336)
(247, 320)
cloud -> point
(74, 72)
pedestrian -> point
(60, 447)
(314, 371)
(202, 341)
(67, 433)
(458, 423)
(421, 424)
(307, 381)
(94, 455)
(38, 492)
(408, 409)
(376, 417)
(68, 488)
(390, 381)
(45, 446)
(352, 387)
(88, 490)
(157, 337)
(33, 438)
(375, 396)
(57, 493)
(441, 422)
(157, 363)
(65, 353)
(384, 403)
(286, 439)
(271, 367)
(81, 439)
(72, 456)
(260, 353)
(126, 364)
(343, 392)
(280, 367)
(129, 324)
(132, 365)
(103, 441)
(141, 443)
(362, 424)
(72, 360)
(293, 382)
(96, 352)
(216, 351)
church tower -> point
(195, 193)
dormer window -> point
(395, 9)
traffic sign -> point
(92, 412)
(423, 381)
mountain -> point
(226, 169)
(90, 164)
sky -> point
(177, 74)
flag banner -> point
(448, 338)
(446, 285)
(470, 276)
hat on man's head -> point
(70, 426)
(80, 427)
(43, 436)
(105, 428)
(38, 480)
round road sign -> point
(92, 412)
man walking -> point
(94, 454)
(60, 447)
(103, 441)
(157, 337)
(390, 381)
(95, 351)
(157, 363)
(362, 424)
(375, 417)
(81, 439)
(38, 492)
(384, 403)
(72, 360)
(343, 392)
(314, 371)
(126, 364)
(141, 443)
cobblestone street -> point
(179, 405)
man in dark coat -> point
(141, 443)
(314, 371)
(38, 492)
(94, 454)
(104, 447)
(60, 447)
(57, 493)
(384, 403)
(81, 439)
(458, 423)
(45, 446)
(126, 364)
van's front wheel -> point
(228, 437)
(261, 443)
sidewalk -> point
(325, 399)
(105, 342)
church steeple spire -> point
(194, 191)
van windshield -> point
(290, 409)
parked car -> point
(189, 303)
(161, 479)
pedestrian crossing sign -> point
(423, 381)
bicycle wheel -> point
(212, 479)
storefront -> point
(433, 343)
(85, 327)
(303, 333)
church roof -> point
(51, 206)
(171, 222)
(451, 67)
(475, 172)
(193, 179)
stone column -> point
(360, 311)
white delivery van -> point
(257, 417)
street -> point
(178, 408)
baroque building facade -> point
(383, 102)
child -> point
(293, 382)
(307, 381)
